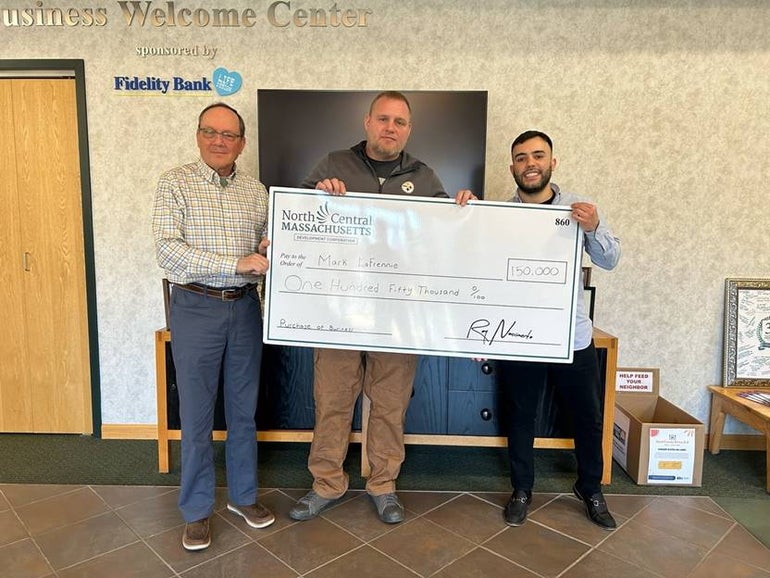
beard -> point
(533, 189)
(386, 152)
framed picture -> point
(747, 333)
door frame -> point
(47, 68)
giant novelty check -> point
(422, 275)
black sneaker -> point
(310, 505)
(389, 509)
(596, 509)
(516, 508)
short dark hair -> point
(241, 124)
(392, 94)
(529, 135)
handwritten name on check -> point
(422, 275)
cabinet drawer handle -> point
(485, 414)
(486, 368)
(25, 261)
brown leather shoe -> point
(197, 535)
(256, 515)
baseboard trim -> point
(129, 431)
(116, 431)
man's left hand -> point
(586, 216)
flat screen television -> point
(297, 128)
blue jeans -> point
(578, 386)
(209, 338)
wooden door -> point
(45, 377)
(15, 402)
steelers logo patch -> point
(407, 187)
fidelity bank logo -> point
(326, 222)
(223, 82)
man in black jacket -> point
(376, 165)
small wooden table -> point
(724, 401)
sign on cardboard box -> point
(637, 379)
(672, 456)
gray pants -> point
(212, 338)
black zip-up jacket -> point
(410, 177)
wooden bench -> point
(726, 401)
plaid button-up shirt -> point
(201, 228)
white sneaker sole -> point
(195, 547)
(259, 526)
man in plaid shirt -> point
(208, 223)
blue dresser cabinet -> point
(455, 401)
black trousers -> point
(578, 386)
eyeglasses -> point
(211, 134)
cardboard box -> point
(656, 442)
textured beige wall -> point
(659, 110)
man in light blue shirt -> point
(577, 383)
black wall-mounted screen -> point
(297, 128)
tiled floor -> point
(134, 531)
